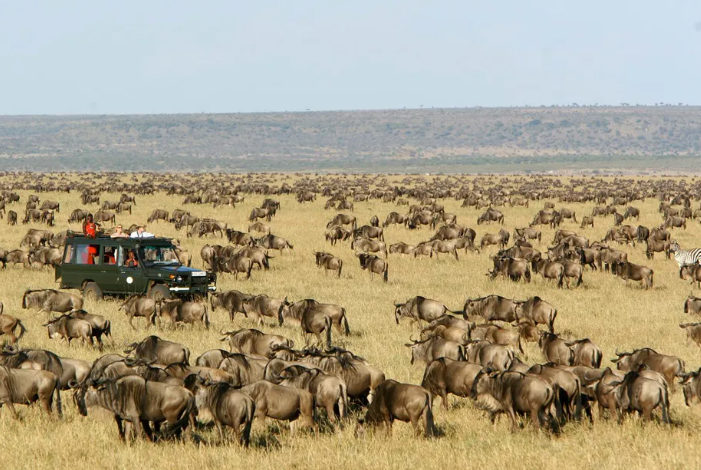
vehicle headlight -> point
(179, 279)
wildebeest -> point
(657, 246)
(510, 268)
(691, 386)
(495, 334)
(432, 348)
(491, 215)
(394, 218)
(180, 311)
(401, 248)
(329, 391)
(69, 329)
(404, 402)
(343, 219)
(527, 233)
(373, 264)
(550, 270)
(337, 233)
(9, 325)
(11, 217)
(139, 401)
(536, 311)
(251, 341)
(641, 394)
(231, 301)
(336, 313)
(693, 332)
(491, 308)
(227, 406)
(672, 222)
(419, 309)
(368, 246)
(691, 272)
(444, 375)
(281, 403)
(629, 271)
(490, 356)
(139, 306)
(669, 366)
(51, 300)
(273, 242)
(260, 306)
(585, 353)
(370, 232)
(329, 262)
(692, 305)
(26, 386)
(514, 393)
(555, 349)
(259, 213)
(500, 239)
(161, 351)
(587, 222)
(105, 216)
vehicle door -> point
(132, 277)
(81, 262)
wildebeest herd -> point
(506, 353)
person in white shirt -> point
(141, 233)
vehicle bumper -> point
(188, 289)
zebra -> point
(685, 257)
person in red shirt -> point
(90, 227)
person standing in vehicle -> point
(141, 233)
(89, 227)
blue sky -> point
(74, 57)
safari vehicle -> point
(124, 266)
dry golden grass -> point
(614, 315)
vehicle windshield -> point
(158, 255)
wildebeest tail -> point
(57, 397)
(108, 329)
(461, 353)
(346, 328)
(428, 416)
(205, 318)
(520, 346)
(578, 400)
(22, 329)
(682, 365)
(340, 266)
(182, 422)
(384, 276)
(328, 323)
(187, 356)
(250, 413)
(435, 368)
(551, 323)
(343, 401)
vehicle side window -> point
(87, 254)
(109, 255)
(68, 256)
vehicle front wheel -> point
(159, 292)
(92, 291)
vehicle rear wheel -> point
(159, 292)
(92, 291)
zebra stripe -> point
(685, 257)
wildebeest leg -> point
(444, 399)
(120, 426)
(147, 429)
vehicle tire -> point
(159, 292)
(92, 291)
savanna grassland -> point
(613, 314)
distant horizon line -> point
(358, 110)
